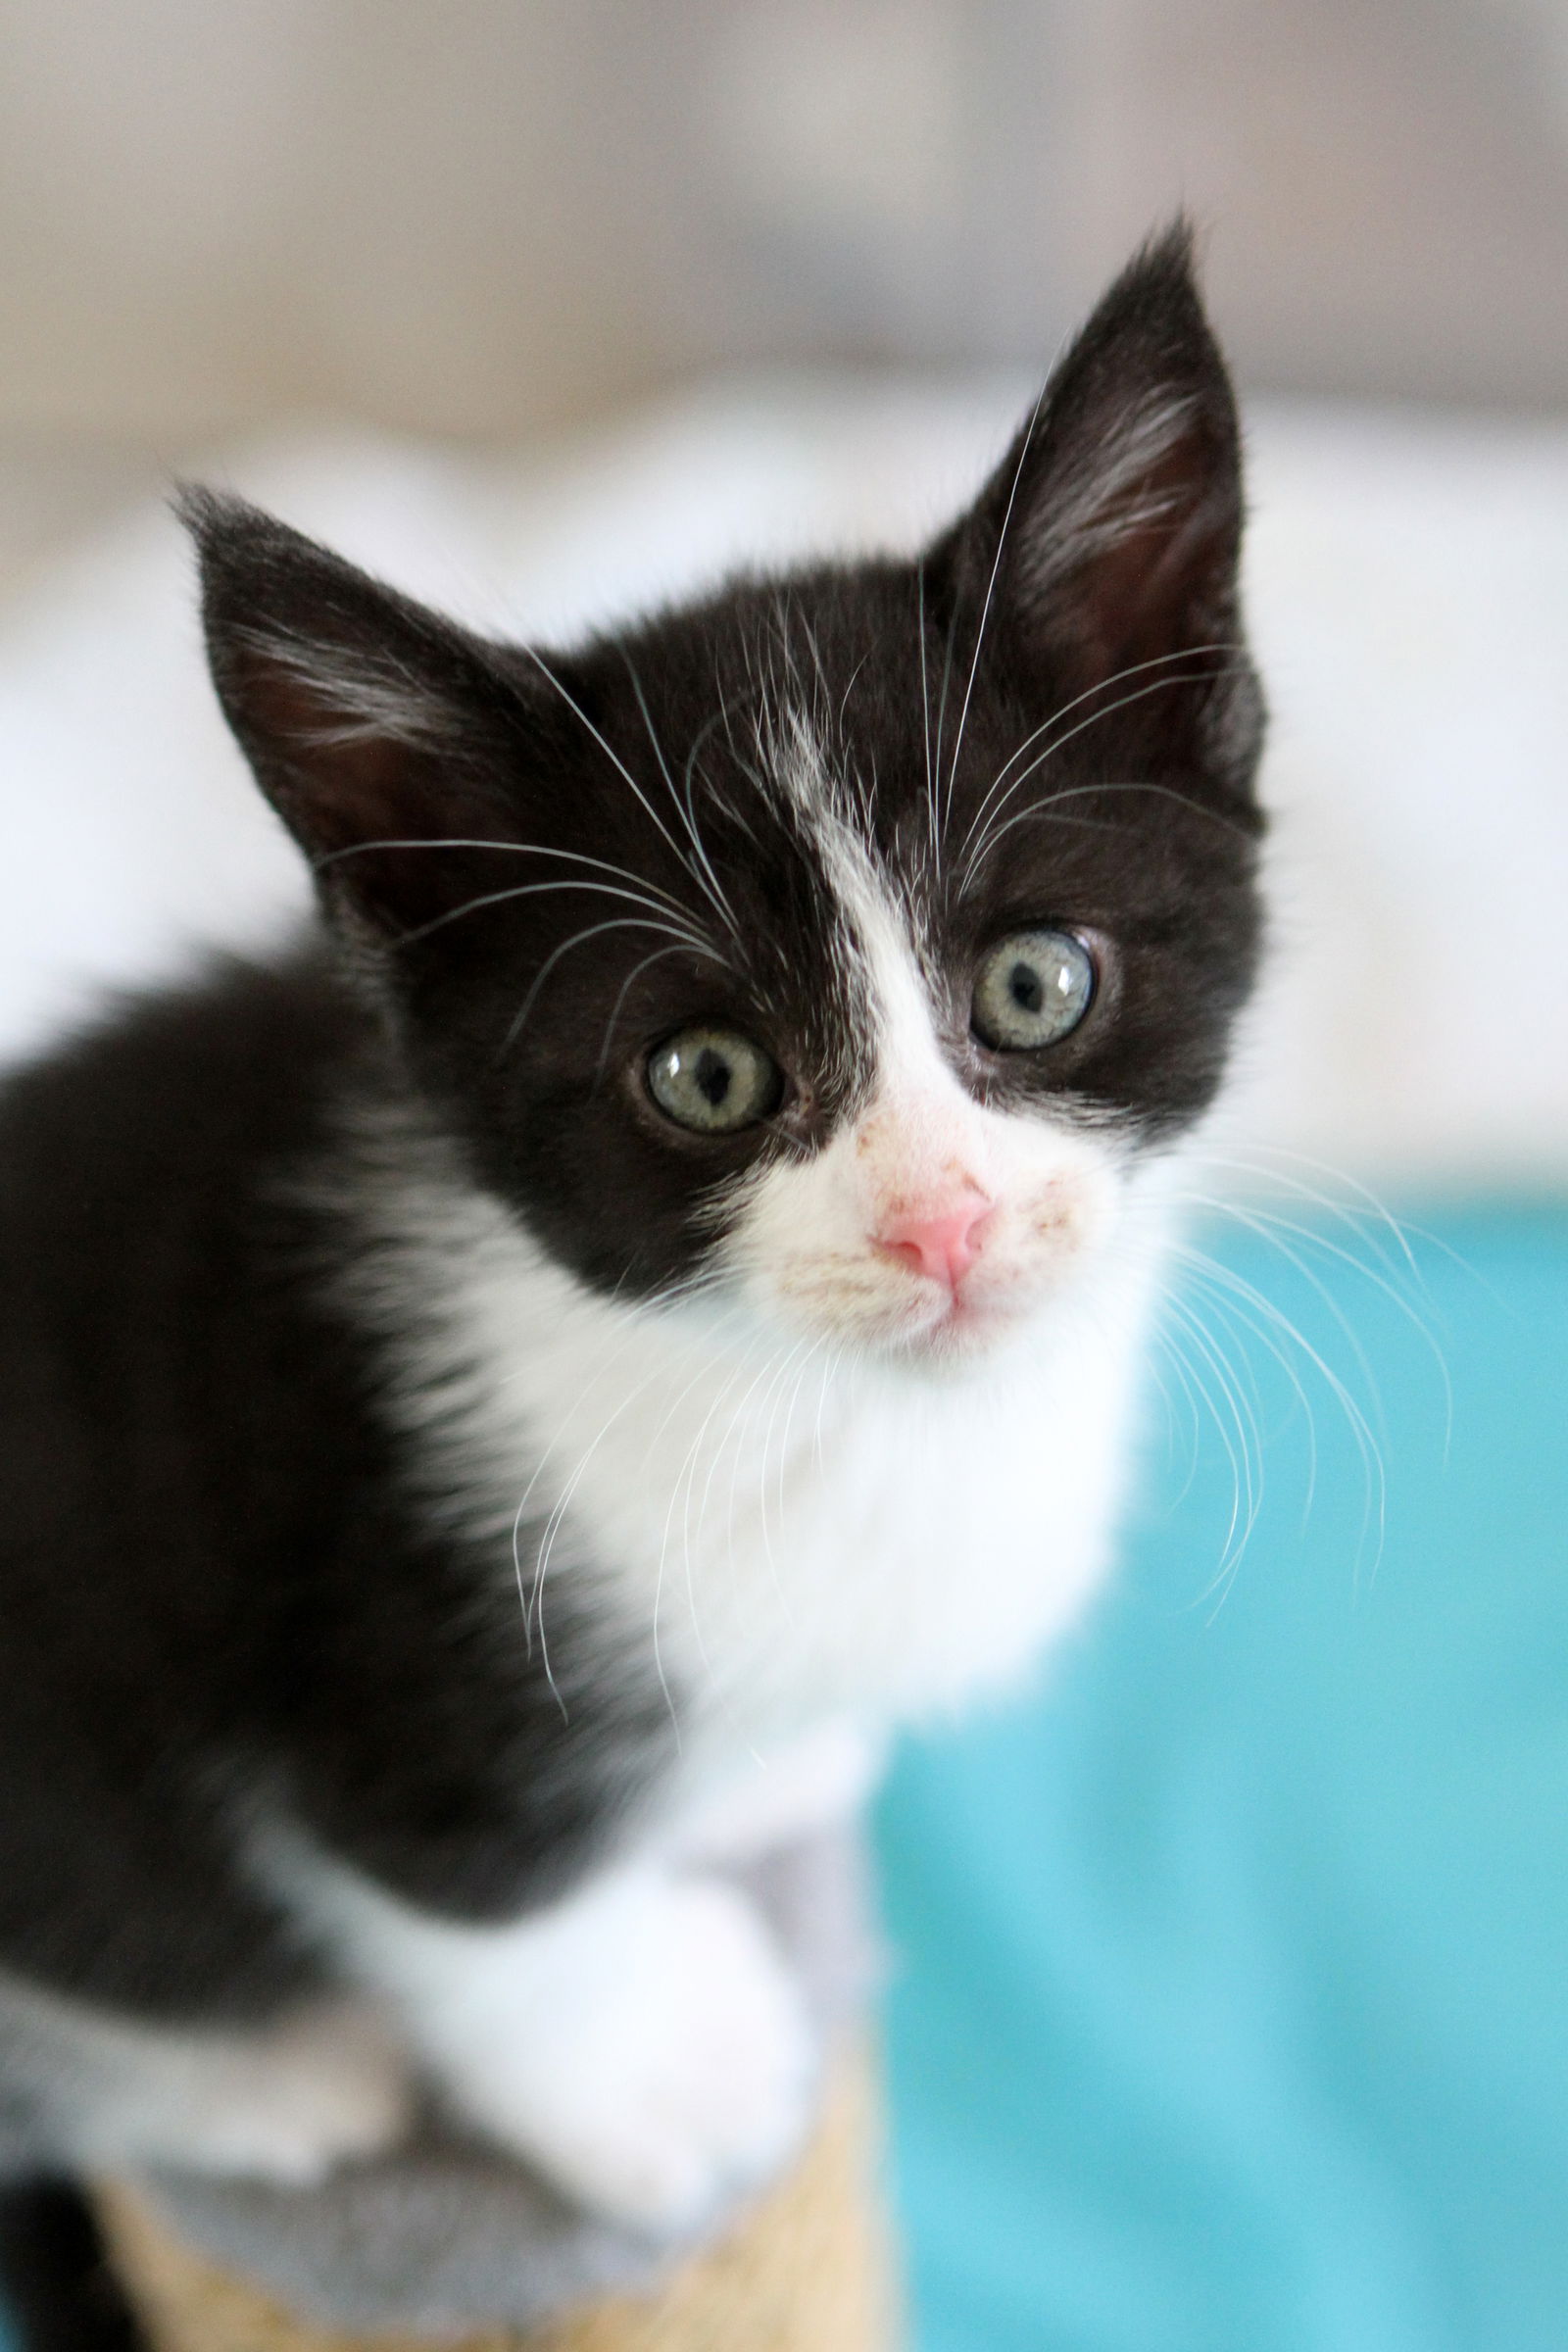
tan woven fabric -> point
(808, 2271)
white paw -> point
(654, 2087)
(321, 2090)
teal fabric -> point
(1230, 2010)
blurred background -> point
(499, 218)
(1230, 1999)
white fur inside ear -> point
(345, 694)
(1109, 495)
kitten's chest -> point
(783, 1541)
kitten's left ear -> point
(391, 741)
(1108, 540)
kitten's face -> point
(842, 943)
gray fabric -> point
(447, 2234)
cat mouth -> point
(962, 1323)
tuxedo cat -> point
(506, 1406)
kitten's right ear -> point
(1106, 544)
(381, 733)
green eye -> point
(1032, 990)
(714, 1081)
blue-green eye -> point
(714, 1081)
(1032, 990)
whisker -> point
(516, 849)
(985, 609)
(814, 1350)
(1246, 1463)
(658, 916)
(685, 1473)
(1373, 1469)
(696, 1345)
(1384, 1277)
(994, 832)
(677, 948)
(625, 923)
(616, 761)
(1131, 669)
(925, 718)
(1269, 1228)
(1047, 809)
(1226, 1298)
(844, 698)
(942, 701)
(1398, 1229)
(703, 875)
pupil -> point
(1026, 988)
(712, 1076)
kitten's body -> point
(449, 1495)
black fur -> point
(212, 1583)
(214, 1587)
(61, 2293)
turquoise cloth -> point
(1230, 2003)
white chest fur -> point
(795, 1536)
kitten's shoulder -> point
(239, 1061)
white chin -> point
(956, 1331)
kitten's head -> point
(844, 941)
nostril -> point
(944, 1245)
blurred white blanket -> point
(1409, 599)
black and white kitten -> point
(504, 1407)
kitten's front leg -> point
(643, 2042)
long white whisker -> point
(679, 948)
(533, 1605)
(685, 1474)
(513, 849)
(1227, 1296)
(1268, 1229)
(1266, 1223)
(625, 923)
(1244, 1455)
(613, 756)
(1374, 1474)
(1130, 669)
(985, 609)
(925, 723)
(994, 832)
(1051, 808)
(703, 873)
(658, 916)
(1398, 1229)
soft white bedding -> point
(1409, 595)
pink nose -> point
(943, 1246)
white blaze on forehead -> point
(921, 1133)
(876, 925)
(921, 1140)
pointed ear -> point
(1109, 535)
(377, 729)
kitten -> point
(504, 1407)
